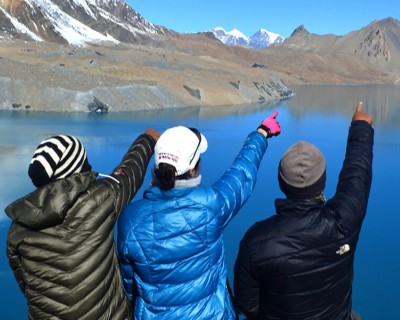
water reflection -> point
(193, 111)
(381, 101)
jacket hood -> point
(48, 205)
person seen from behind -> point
(170, 243)
(298, 264)
(60, 244)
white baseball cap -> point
(180, 147)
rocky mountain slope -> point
(378, 43)
(76, 22)
(122, 62)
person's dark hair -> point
(165, 174)
(166, 178)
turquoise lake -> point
(318, 114)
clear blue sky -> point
(338, 17)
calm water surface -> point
(318, 114)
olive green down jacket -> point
(61, 242)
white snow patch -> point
(75, 32)
(237, 33)
(272, 36)
(84, 5)
(20, 27)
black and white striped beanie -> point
(56, 158)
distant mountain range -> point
(261, 39)
(80, 22)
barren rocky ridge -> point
(130, 77)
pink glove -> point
(271, 126)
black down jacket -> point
(298, 264)
(61, 242)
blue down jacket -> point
(170, 243)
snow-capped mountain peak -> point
(273, 36)
(264, 38)
(237, 33)
(261, 39)
(231, 38)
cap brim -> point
(203, 144)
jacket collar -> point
(188, 183)
(182, 187)
(48, 205)
(298, 207)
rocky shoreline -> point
(32, 96)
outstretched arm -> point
(131, 171)
(351, 198)
(238, 181)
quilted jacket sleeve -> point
(14, 258)
(132, 169)
(349, 203)
(237, 183)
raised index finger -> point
(359, 106)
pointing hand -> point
(271, 126)
(360, 115)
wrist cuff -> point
(266, 129)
